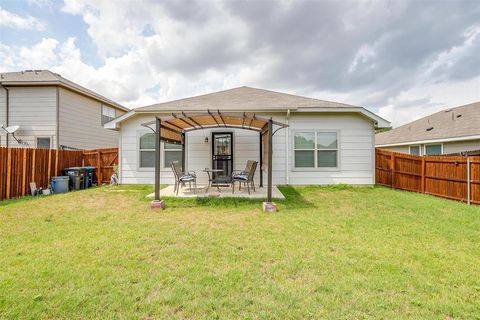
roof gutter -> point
(287, 139)
(415, 142)
(378, 121)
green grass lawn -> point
(350, 253)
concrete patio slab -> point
(222, 192)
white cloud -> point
(12, 20)
(388, 58)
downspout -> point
(57, 130)
(287, 139)
(7, 98)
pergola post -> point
(157, 203)
(183, 153)
(270, 159)
(261, 159)
(270, 206)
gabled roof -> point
(460, 122)
(242, 98)
(45, 78)
(247, 99)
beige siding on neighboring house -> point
(3, 112)
(80, 120)
(356, 141)
(448, 147)
(401, 149)
(460, 146)
(34, 110)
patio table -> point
(212, 182)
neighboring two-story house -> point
(53, 112)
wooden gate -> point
(103, 160)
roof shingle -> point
(243, 98)
(456, 122)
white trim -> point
(440, 140)
(113, 124)
(378, 121)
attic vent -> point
(459, 115)
(430, 129)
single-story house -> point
(450, 131)
(315, 142)
(54, 112)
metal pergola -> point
(172, 129)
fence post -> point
(49, 165)
(392, 158)
(99, 162)
(9, 171)
(423, 174)
(56, 161)
(468, 181)
(24, 171)
(33, 164)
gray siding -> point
(34, 110)
(80, 120)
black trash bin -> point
(77, 177)
(89, 172)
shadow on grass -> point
(294, 199)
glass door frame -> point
(215, 133)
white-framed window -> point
(415, 150)
(147, 150)
(433, 149)
(316, 149)
(108, 114)
(43, 142)
(171, 152)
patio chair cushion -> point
(186, 178)
(241, 176)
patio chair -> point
(181, 177)
(245, 177)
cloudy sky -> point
(402, 59)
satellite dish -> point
(10, 129)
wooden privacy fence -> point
(452, 177)
(20, 166)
